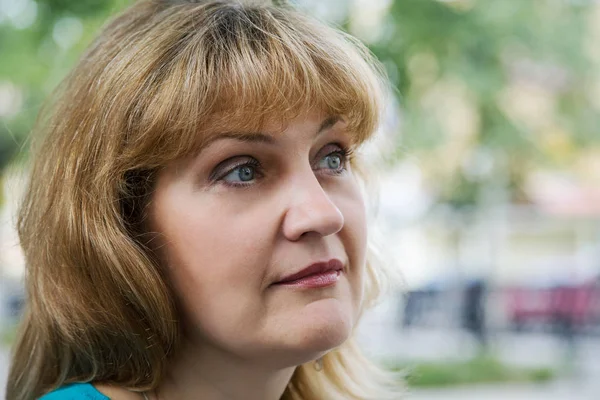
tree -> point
(504, 80)
(39, 42)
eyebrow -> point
(328, 123)
(259, 137)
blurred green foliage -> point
(33, 61)
(508, 83)
(509, 80)
(483, 369)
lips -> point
(333, 266)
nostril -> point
(323, 218)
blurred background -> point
(490, 184)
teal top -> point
(75, 391)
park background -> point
(489, 190)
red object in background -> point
(576, 304)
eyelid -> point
(226, 167)
(335, 148)
(328, 149)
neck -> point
(211, 374)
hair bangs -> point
(250, 65)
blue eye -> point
(333, 161)
(242, 173)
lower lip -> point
(314, 281)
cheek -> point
(354, 237)
(213, 256)
(214, 252)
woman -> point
(194, 226)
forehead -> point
(269, 128)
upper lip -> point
(317, 268)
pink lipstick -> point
(317, 275)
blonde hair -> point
(158, 80)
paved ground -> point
(554, 391)
(3, 370)
(383, 340)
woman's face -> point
(239, 226)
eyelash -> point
(345, 154)
(249, 162)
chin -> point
(325, 325)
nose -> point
(311, 210)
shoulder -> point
(76, 391)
